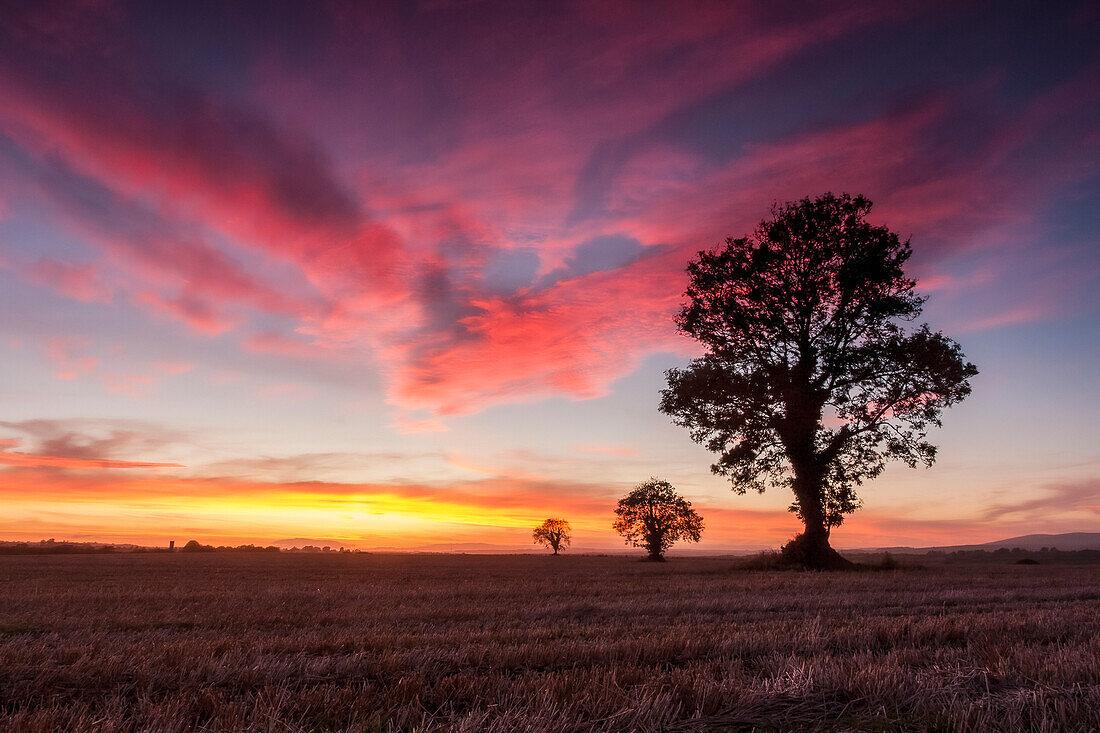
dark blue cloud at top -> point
(608, 252)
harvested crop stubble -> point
(438, 642)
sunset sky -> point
(405, 274)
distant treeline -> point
(194, 546)
(51, 547)
(1016, 554)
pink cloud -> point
(269, 342)
(69, 364)
(1055, 499)
(38, 460)
(606, 450)
(129, 384)
(220, 167)
(561, 339)
(508, 471)
(1014, 316)
(406, 425)
(573, 338)
(286, 391)
(183, 144)
(576, 336)
(27, 460)
(173, 368)
(220, 210)
(196, 313)
(161, 261)
(942, 281)
(78, 281)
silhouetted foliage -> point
(195, 546)
(655, 517)
(809, 380)
(50, 547)
(555, 534)
(1052, 556)
(888, 562)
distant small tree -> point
(554, 534)
(655, 517)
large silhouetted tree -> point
(554, 534)
(655, 517)
(810, 377)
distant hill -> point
(304, 541)
(1067, 542)
(474, 548)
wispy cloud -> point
(1062, 498)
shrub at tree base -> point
(802, 551)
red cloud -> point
(575, 337)
(147, 134)
(558, 147)
(222, 167)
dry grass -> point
(377, 642)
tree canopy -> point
(554, 534)
(655, 517)
(811, 378)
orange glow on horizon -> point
(145, 507)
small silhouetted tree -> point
(810, 379)
(554, 534)
(655, 517)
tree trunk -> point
(804, 404)
(811, 549)
(653, 545)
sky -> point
(405, 274)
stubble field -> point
(454, 642)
